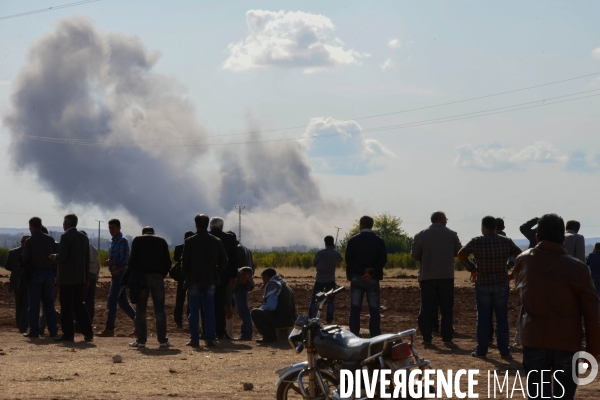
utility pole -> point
(336, 235)
(99, 222)
(240, 208)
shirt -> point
(119, 252)
(326, 261)
(435, 249)
(94, 264)
(491, 252)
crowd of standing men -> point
(559, 286)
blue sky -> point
(372, 58)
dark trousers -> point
(266, 322)
(543, 385)
(21, 304)
(358, 289)
(71, 302)
(89, 294)
(318, 288)
(40, 289)
(436, 292)
(220, 294)
(179, 303)
(156, 289)
(490, 298)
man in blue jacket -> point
(366, 256)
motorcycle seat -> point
(343, 345)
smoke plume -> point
(124, 122)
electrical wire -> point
(457, 117)
(77, 3)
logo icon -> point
(590, 364)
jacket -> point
(556, 292)
(13, 264)
(435, 249)
(244, 257)
(150, 255)
(73, 258)
(230, 243)
(203, 260)
(593, 261)
(575, 245)
(37, 249)
(365, 250)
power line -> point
(77, 3)
(457, 117)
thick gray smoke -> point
(82, 84)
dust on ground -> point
(43, 369)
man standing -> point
(73, 260)
(239, 293)
(366, 256)
(435, 249)
(203, 260)
(556, 292)
(593, 261)
(326, 261)
(89, 293)
(150, 258)
(574, 242)
(491, 252)
(227, 277)
(279, 308)
(181, 292)
(118, 259)
(529, 232)
(13, 264)
(37, 250)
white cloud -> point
(341, 147)
(388, 64)
(496, 157)
(290, 40)
(596, 52)
(394, 44)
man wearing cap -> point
(13, 265)
(151, 260)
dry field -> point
(42, 369)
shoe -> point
(506, 356)
(426, 342)
(88, 338)
(137, 344)
(106, 333)
(476, 354)
(263, 340)
(63, 338)
(166, 344)
(244, 339)
(448, 342)
(31, 335)
(42, 331)
(53, 334)
(224, 336)
(209, 343)
(193, 344)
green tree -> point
(389, 227)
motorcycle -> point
(332, 349)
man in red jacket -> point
(557, 292)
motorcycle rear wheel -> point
(288, 389)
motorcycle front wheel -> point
(289, 389)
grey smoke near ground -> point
(80, 83)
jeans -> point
(40, 289)
(358, 288)
(317, 288)
(117, 295)
(490, 298)
(540, 385)
(89, 294)
(202, 297)
(155, 288)
(240, 298)
(436, 292)
(72, 307)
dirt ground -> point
(43, 369)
